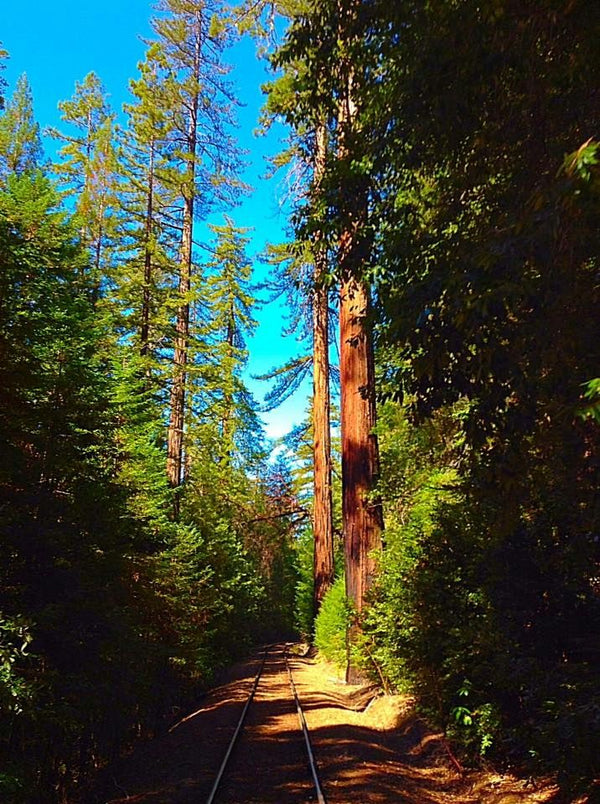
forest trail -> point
(369, 749)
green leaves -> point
(583, 160)
(16, 692)
(592, 394)
(332, 623)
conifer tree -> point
(321, 403)
(362, 515)
(231, 301)
(302, 279)
(3, 56)
(88, 170)
(183, 36)
(87, 111)
(321, 57)
(62, 521)
(309, 149)
(134, 301)
(20, 144)
(311, 321)
(147, 232)
(204, 163)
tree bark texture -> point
(362, 516)
(322, 506)
(321, 410)
(180, 354)
(363, 521)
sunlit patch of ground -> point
(374, 748)
(370, 749)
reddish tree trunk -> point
(362, 516)
(360, 457)
(322, 505)
(180, 354)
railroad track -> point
(237, 738)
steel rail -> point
(219, 776)
(304, 726)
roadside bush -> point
(331, 624)
(304, 607)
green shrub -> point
(304, 608)
(331, 624)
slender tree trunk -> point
(147, 289)
(362, 516)
(180, 355)
(228, 395)
(98, 254)
(175, 435)
(321, 410)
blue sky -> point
(58, 43)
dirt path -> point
(369, 751)
(375, 750)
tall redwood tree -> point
(321, 407)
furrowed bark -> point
(322, 506)
(363, 522)
(362, 516)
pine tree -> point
(87, 112)
(134, 309)
(189, 22)
(20, 144)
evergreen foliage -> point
(331, 625)
(477, 237)
(105, 596)
(63, 593)
(462, 174)
(88, 172)
(298, 444)
(20, 144)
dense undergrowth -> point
(488, 615)
(113, 611)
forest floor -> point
(369, 748)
